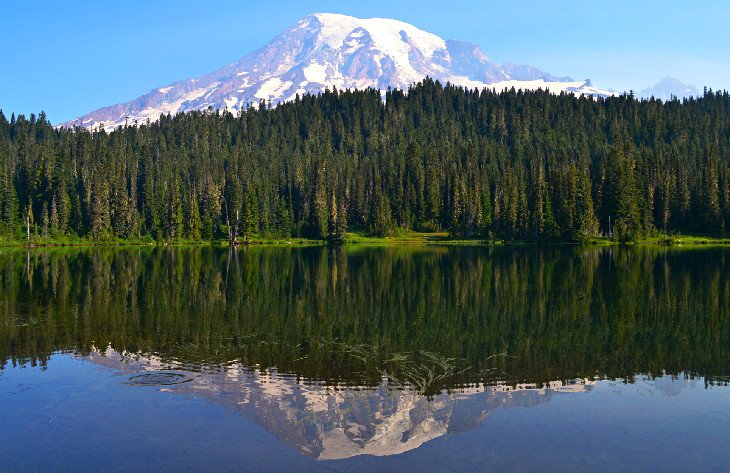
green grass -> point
(258, 241)
(402, 237)
(685, 240)
(354, 239)
(443, 238)
(38, 241)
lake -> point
(409, 359)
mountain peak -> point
(333, 50)
(668, 88)
(394, 39)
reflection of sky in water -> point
(468, 319)
(79, 414)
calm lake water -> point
(365, 360)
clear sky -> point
(70, 57)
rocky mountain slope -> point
(330, 50)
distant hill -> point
(669, 87)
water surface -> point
(383, 359)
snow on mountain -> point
(331, 50)
(669, 87)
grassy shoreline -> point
(361, 239)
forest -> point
(514, 165)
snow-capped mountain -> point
(330, 50)
(669, 87)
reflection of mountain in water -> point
(429, 317)
(335, 422)
(285, 337)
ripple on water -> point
(158, 378)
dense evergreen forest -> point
(514, 165)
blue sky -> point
(70, 57)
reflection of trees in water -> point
(423, 317)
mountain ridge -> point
(668, 88)
(332, 50)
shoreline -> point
(356, 239)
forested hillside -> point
(515, 165)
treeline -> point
(515, 165)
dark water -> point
(395, 359)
